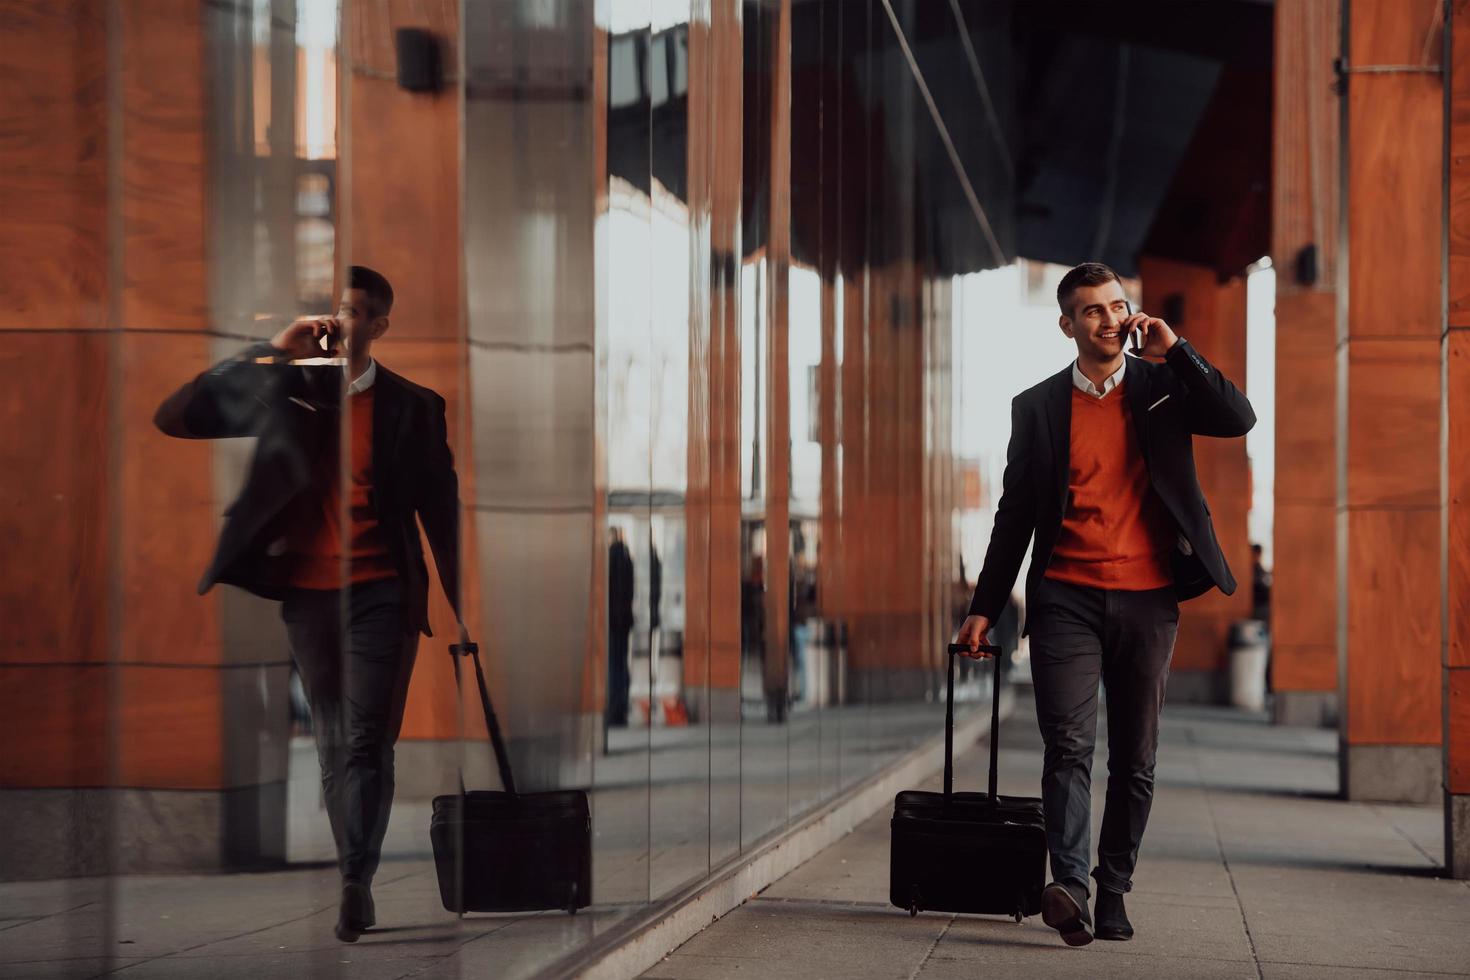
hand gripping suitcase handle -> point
(994, 652)
(472, 650)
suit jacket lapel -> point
(1136, 385)
(387, 419)
(1059, 428)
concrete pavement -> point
(1250, 869)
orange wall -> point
(1392, 497)
(98, 329)
(1305, 163)
(1456, 660)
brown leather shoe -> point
(1064, 908)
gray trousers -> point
(1081, 635)
(355, 659)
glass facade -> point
(683, 271)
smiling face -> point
(1096, 322)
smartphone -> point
(1134, 335)
(328, 342)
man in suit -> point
(342, 555)
(1101, 469)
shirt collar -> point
(365, 380)
(1081, 382)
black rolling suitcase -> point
(509, 851)
(967, 852)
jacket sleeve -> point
(230, 399)
(438, 506)
(1212, 405)
(1015, 520)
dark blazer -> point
(293, 412)
(1188, 398)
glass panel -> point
(621, 805)
(723, 73)
(679, 766)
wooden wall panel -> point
(699, 449)
(56, 726)
(1393, 607)
(725, 189)
(1393, 423)
(776, 412)
(53, 523)
(53, 155)
(1306, 398)
(171, 516)
(1306, 166)
(1456, 462)
(1394, 32)
(404, 160)
(1395, 123)
(1391, 498)
(1306, 141)
(1457, 729)
(169, 727)
(1304, 597)
(164, 166)
(1458, 286)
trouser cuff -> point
(1112, 883)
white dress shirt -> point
(1084, 385)
(365, 379)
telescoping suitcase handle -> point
(472, 650)
(994, 652)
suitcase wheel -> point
(914, 901)
(572, 898)
(1020, 912)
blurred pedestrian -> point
(620, 586)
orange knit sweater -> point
(1116, 534)
(317, 550)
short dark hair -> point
(375, 284)
(1086, 274)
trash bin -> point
(1249, 645)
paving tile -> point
(1304, 971)
(1089, 961)
(81, 968)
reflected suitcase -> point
(967, 852)
(508, 851)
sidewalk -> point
(1251, 868)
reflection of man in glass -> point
(1101, 468)
(619, 626)
(326, 523)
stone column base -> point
(64, 833)
(1311, 709)
(1457, 835)
(1390, 773)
